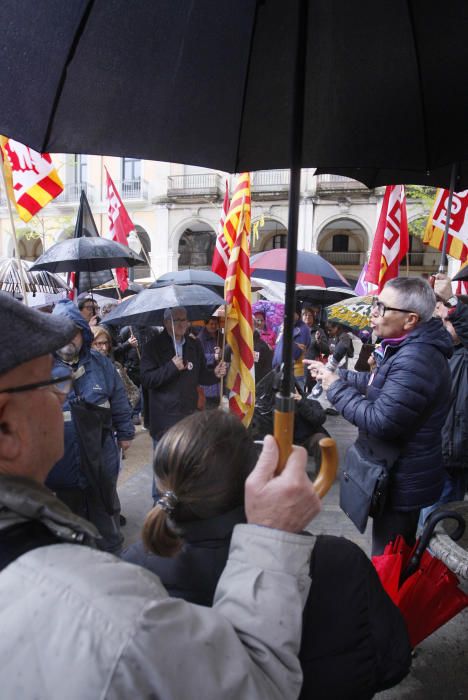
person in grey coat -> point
(79, 623)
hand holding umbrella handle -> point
(283, 432)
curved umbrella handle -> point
(426, 535)
(328, 466)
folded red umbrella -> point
(426, 592)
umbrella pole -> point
(284, 401)
(15, 237)
(443, 255)
(223, 345)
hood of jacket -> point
(69, 310)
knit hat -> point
(29, 333)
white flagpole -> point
(15, 238)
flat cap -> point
(28, 334)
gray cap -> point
(28, 334)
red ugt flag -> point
(391, 240)
(120, 225)
(222, 251)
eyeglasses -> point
(180, 320)
(100, 343)
(91, 307)
(380, 307)
(60, 385)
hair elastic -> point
(167, 501)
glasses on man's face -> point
(179, 320)
(381, 308)
(60, 385)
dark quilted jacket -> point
(411, 384)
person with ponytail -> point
(354, 640)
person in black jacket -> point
(454, 315)
(172, 367)
(402, 406)
(354, 641)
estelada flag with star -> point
(238, 294)
(391, 240)
(31, 178)
(120, 225)
(457, 239)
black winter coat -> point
(172, 393)
(412, 382)
(455, 430)
(354, 640)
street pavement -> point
(440, 665)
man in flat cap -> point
(79, 623)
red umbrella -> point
(424, 589)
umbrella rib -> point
(61, 83)
(244, 93)
(420, 86)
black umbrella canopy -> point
(190, 276)
(86, 255)
(35, 282)
(384, 85)
(147, 307)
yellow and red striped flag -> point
(239, 207)
(457, 239)
(31, 178)
(239, 332)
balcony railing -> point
(133, 189)
(192, 185)
(271, 180)
(338, 182)
(345, 258)
(72, 192)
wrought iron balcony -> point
(337, 183)
(196, 185)
(132, 189)
(72, 192)
(270, 183)
(343, 258)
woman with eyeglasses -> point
(401, 406)
(103, 343)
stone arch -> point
(30, 248)
(273, 234)
(343, 241)
(194, 240)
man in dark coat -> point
(172, 367)
(403, 405)
(454, 315)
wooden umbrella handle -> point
(328, 466)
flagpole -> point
(15, 238)
(223, 346)
(443, 255)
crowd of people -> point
(72, 390)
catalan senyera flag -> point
(120, 225)
(31, 178)
(391, 240)
(222, 250)
(240, 207)
(239, 331)
(457, 239)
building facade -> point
(176, 210)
